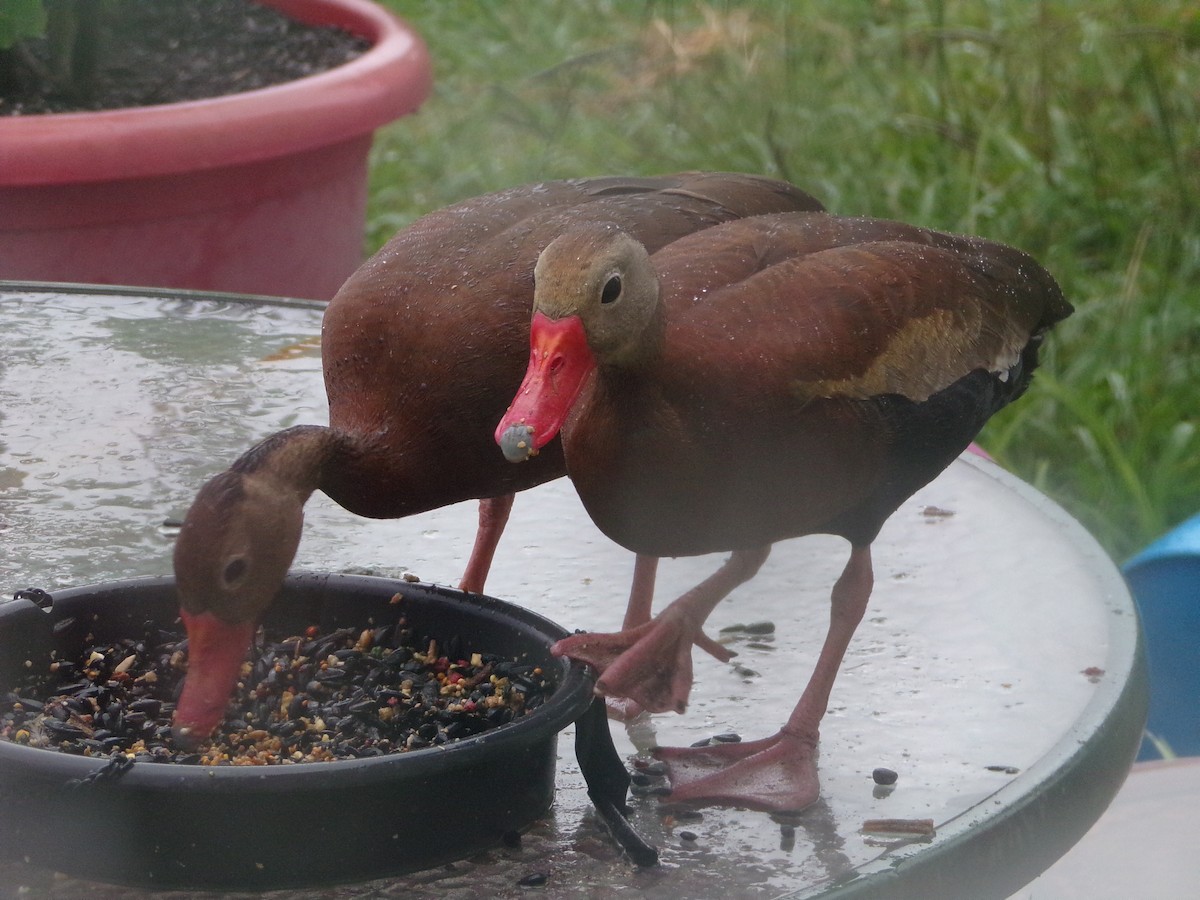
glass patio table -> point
(998, 671)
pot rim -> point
(389, 80)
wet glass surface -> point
(971, 665)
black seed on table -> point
(884, 776)
(641, 779)
(752, 628)
(687, 836)
(728, 737)
(703, 742)
(536, 879)
(651, 766)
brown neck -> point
(296, 458)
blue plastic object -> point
(1165, 581)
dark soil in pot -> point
(151, 52)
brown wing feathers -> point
(864, 307)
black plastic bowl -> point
(259, 827)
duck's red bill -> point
(215, 653)
(559, 364)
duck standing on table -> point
(776, 376)
(420, 349)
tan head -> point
(602, 275)
(231, 556)
(595, 303)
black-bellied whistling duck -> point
(422, 348)
(767, 378)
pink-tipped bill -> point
(215, 653)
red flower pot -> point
(262, 192)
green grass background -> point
(1069, 128)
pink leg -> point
(641, 596)
(651, 663)
(493, 516)
(779, 773)
(641, 592)
(641, 601)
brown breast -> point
(426, 343)
(814, 371)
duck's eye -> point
(612, 289)
(234, 571)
